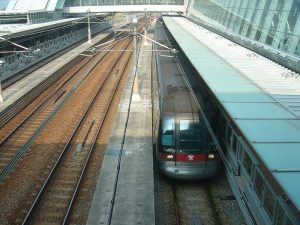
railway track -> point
(14, 113)
(204, 202)
(69, 137)
(19, 139)
(193, 205)
(36, 66)
(55, 199)
(188, 203)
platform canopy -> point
(3, 4)
(30, 5)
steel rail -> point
(120, 155)
(21, 103)
(39, 106)
(175, 204)
(60, 158)
(23, 149)
(91, 149)
(42, 87)
(45, 100)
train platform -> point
(14, 93)
(125, 188)
(18, 30)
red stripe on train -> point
(181, 157)
(190, 157)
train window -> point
(227, 134)
(222, 127)
(190, 136)
(168, 126)
(247, 162)
(279, 216)
(259, 185)
(240, 150)
(269, 201)
(233, 142)
(288, 222)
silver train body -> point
(184, 149)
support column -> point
(248, 16)
(294, 39)
(224, 11)
(1, 96)
(257, 19)
(235, 18)
(187, 4)
(228, 13)
(190, 6)
(134, 23)
(2, 63)
(89, 27)
(268, 21)
(213, 10)
(242, 14)
(279, 33)
(145, 39)
(28, 18)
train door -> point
(190, 141)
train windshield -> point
(167, 139)
(190, 136)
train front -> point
(185, 150)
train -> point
(183, 146)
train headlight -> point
(167, 157)
(211, 156)
(170, 156)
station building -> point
(270, 27)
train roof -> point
(262, 97)
(175, 95)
